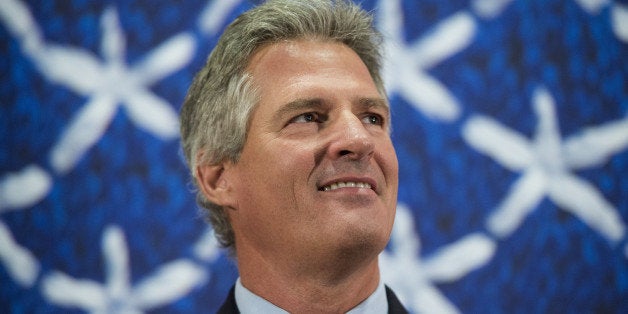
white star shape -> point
(619, 21)
(106, 84)
(405, 65)
(414, 285)
(492, 8)
(207, 249)
(19, 190)
(489, 9)
(169, 283)
(19, 262)
(546, 164)
(215, 14)
(593, 6)
(110, 84)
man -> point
(287, 134)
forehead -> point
(303, 52)
(289, 70)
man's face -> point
(318, 171)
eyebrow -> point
(375, 103)
(300, 105)
(297, 106)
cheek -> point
(272, 191)
(390, 168)
(274, 173)
(390, 164)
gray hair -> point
(215, 114)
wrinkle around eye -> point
(307, 117)
(303, 124)
(368, 119)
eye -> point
(373, 119)
(307, 117)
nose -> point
(350, 139)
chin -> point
(362, 242)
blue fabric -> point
(479, 92)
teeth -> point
(338, 185)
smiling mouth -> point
(349, 184)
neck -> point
(309, 286)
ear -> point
(213, 182)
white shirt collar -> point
(249, 302)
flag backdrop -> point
(510, 124)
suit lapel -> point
(394, 306)
(229, 306)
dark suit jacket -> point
(394, 306)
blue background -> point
(133, 179)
